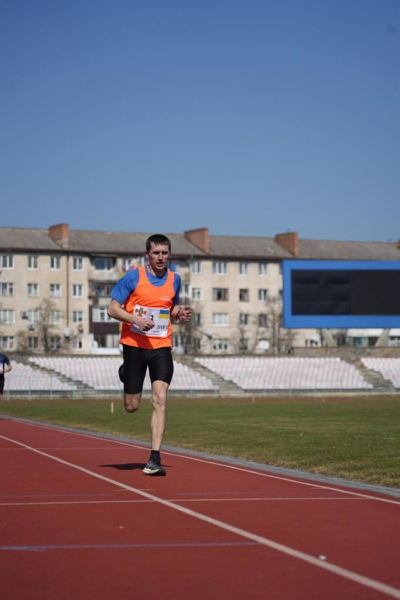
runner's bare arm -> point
(115, 311)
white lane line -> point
(119, 546)
(225, 465)
(324, 565)
(181, 501)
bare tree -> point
(45, 326)
(192, 334)
(247, 335)
(22, 337)
(280, 339)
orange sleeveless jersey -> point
(150, 301)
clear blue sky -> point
(251, 117)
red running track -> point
(80, 520)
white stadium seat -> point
(23, 378)
(287, 373)
(389, 368)
(102, 373)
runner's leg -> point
(159, 414)
(161, 369)
(135, 366)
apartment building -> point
(55, 287)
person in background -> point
(5, 367)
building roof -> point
(19, 238)
(341, 250)
(246, 247)
(132, 243)
(88, 242)
(114, 242)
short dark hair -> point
(158, 240)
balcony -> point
(112, 275)
(100, 290)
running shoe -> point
(154, 467)
(121, 372)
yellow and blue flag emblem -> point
(164, 314)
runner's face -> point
(158, 257)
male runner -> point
(5, 367)
(144, 300)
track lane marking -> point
(218, 464)
(118, 546)
(181, 501)
(324, 565)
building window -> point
(6, 289)
(7, 317)
(220, 294)
(32, 316)
(243, 319)
(310, 343)
(244, 345)
(33, 290)
(196, 267)
(220, 267)
(77, 263)
(107, 340)
(6, 342)
(55, 342)
(263, 269)
(184, 295)
(55, 290)
(220, 344)
(263, 295)
(196, 293)
(197, 318)
(103, 264)
(127, 264)
(244, 295)
(77, 290)
(221, 319)
(6, 261)
(243, 268)
(33, 263)
(176, 340)
(262, 320)
(55, 263)
(78, 343)
(55, 317)
(101, 289)
(77, 316)
(99, 315)
(197, 344)
(33, 343)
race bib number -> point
(160, 317)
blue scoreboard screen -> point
(336, 294)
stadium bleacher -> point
(64, 375)
(287, 373)
(24, 378)
(102, 373)
(389, 368)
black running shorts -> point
(136, 361)
(1, 383)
